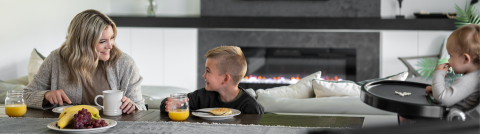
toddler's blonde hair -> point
(467, 38)
(230, 60)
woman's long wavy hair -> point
(78, 51)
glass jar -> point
(14, 104)
(178, 107)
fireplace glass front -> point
(273, 67)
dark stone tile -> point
(367, 45)
(331, 8)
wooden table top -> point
(246, 119)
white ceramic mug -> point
(112, 100)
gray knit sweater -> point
(52, 75)
(463, 92)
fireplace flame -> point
(280, 79)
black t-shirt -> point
(202, 98)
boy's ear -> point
(226, 79)
(467, 58)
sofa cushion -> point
(5, 86)
(154, 95)
(323, 88)
(302, 89)
(36, 60)
(324, 105)
(22, 80)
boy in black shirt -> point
(225, 67)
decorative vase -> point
(400, 15)
(152, 7)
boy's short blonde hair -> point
(230, 60)
(468, 40)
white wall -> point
(28, 24)
(389, 8)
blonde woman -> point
(86, 64)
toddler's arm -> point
(443, 67)
(460, 89)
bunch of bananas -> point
(67, 115)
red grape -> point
(83, 120)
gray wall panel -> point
(331, 8)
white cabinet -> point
(147, 51)
(180, 61)
(124, 39)
(407, 44)
(164, 56)
(396, 44)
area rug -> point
(39, 125)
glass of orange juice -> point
(14, 103)
(178, 108)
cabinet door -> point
(397, 44)
(123, 39)
(148, 52)
(180, 50)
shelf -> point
(287, 23)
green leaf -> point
(441, 61)
(467, 15)
(476, 20)
(427, 67)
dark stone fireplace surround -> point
(367, 45)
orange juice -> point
(178, 114)
(15, 110)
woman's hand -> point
(127, 106)
(57, 97)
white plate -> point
(60, 109)
(207, 116)
(111, 123)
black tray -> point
(381, 95)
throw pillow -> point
(400, 76)
(301, 89)
(251, 92)
(36, 60)
(323, 88)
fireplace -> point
(323, 45)
(272, 67)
